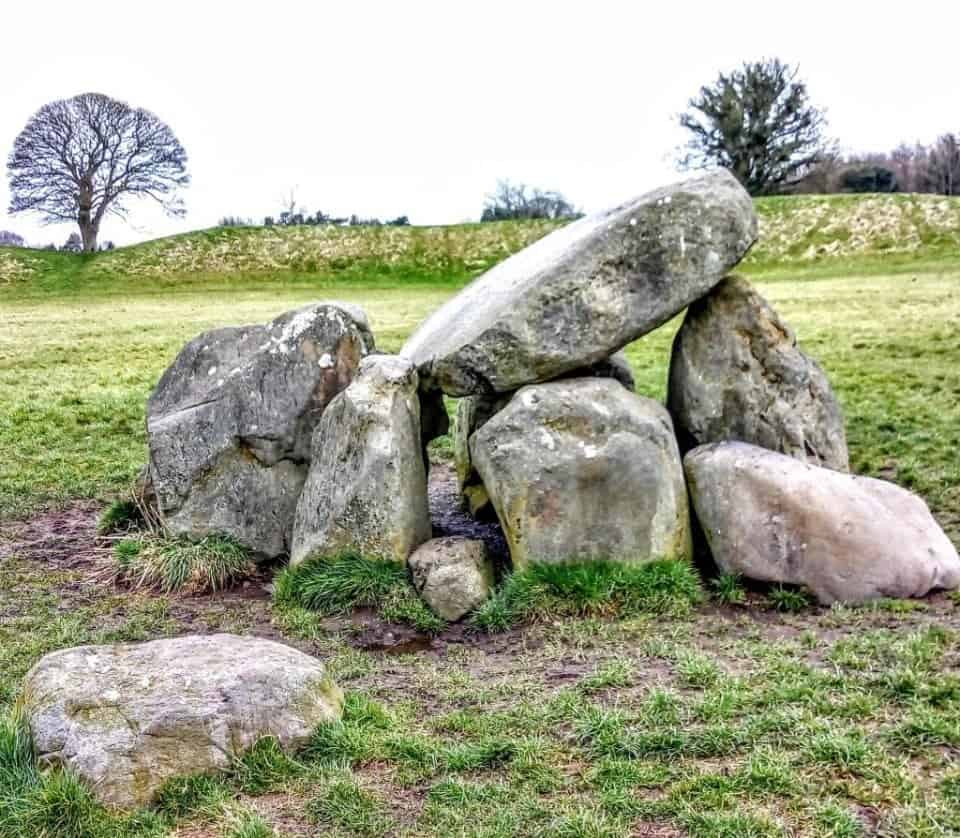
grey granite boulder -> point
(128, 717)
(367, 486)
(586, 290)
(737, 374)
(582, 469)
(453, 575)
(473, 412)
(230, 422)
(770, 517)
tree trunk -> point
(88, 233)
(89, 228)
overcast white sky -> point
(389, 108)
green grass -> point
(342, 583)
(616, 704)
(171, 564)
(546, 591)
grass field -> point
(733, 720)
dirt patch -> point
(449, 519)
(64, 539)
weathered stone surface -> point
(737, 374)
(230, 422)
(453, 575)
(773, 518)
(586, 290)
(434, 419)
(616, 366)
(582, 469)
(367, 486)
(128, 717)
(473, 412)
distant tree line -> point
(518, 201)
(294, 216)
(758, 121)
(73, 244)
(299, 219)
(933, 169)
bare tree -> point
(758, 122)
(10, 239)
(510, 200)
(78, 159)
(943, 166)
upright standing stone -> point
(737, 374)
(230, 422)
(367, 486)
(582, 470)
(586, 290)
(770, 517)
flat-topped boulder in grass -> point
(586, 290)
(581, 470)
(736, 373)
(772, 518)
(229, 425)
(128, 717)
(367, 487)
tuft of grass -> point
(697, 671)
(44, 804)
(169, 565)
(543, 591)
(247, 825)
(199, 796)
(338, 584)
(788, 599)
(343, 804)
(119, 516)
(728, 590)
(353, 738)
(265, 766)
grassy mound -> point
(804, 233)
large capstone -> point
(230, 423)
(737, 374)
(581, 470)
(127, 717)
(367, 487)
(770, 517)
(586, 290)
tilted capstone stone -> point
(230, 422)
(586, 290)
(367, 487)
